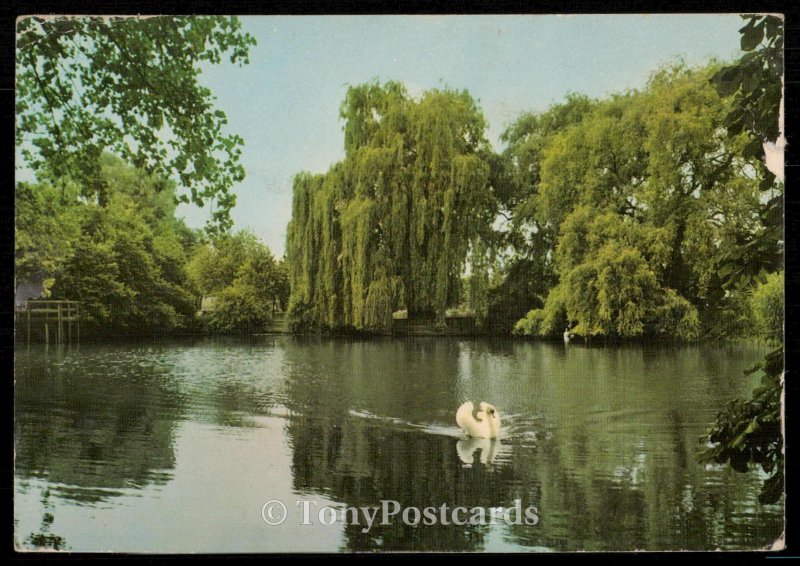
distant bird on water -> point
(485, 423)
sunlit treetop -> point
(129, 86)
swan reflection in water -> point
(466, 448)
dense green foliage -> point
(134, 266)
(750, 431)
(646, 199)
(86, 85)
(124, 261)
(639, 215)
(47, 221)
(392, 225)
(102, 229)
(525, 269)
(767, 305)
(755, 81)
(244, 279)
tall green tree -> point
(47, 225)
(611, 282)
(525, 242)
(392, 225)
(645, 196)
(215, 264)
(241, 274)
(127, 263)
(129, 86)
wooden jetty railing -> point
(60, 313)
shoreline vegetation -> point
(637, 216)
(648, 214)
(645, 214)
(592, 220)
(186, 334)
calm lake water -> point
(176, 447)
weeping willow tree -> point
(392, 225)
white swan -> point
(484, 424)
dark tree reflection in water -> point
(175, 446)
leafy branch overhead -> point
(129, 86)
(756, 82)
(749, 431)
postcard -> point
(337, 284)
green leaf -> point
(727, 80)
(774, 26)
(127, 93)
(752, 36)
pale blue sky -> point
(285, 104)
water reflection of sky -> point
(174, 448)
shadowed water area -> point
(175, 447)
